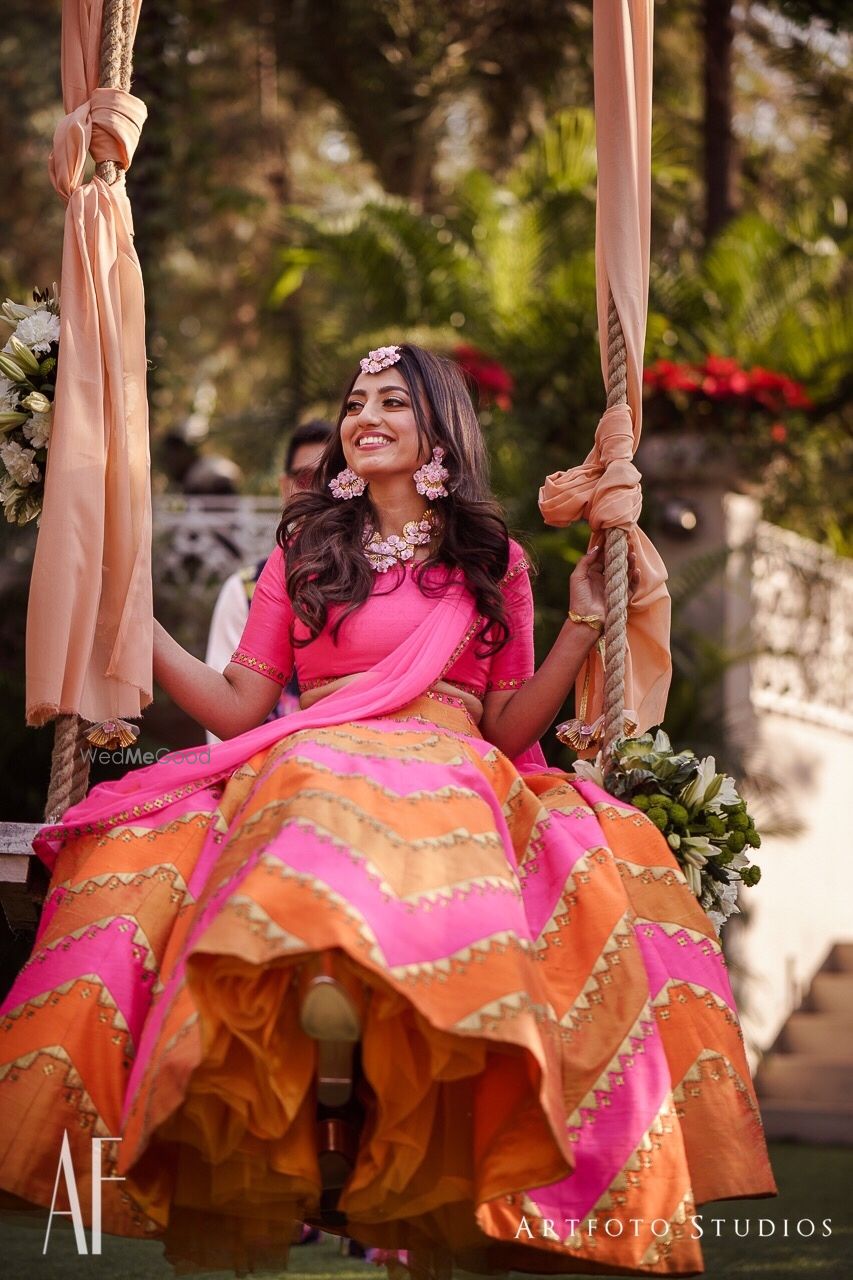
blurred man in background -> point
(304, 449)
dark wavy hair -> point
(322, 537)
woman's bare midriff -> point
(472, 702)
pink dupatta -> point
(403, 675)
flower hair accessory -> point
(381, 358)
(429, 479)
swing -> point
(604, 489)
(632, 923)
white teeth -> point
(373, 440)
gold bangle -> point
(589, 618)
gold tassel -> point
(578, 733)
(112, 734)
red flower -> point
(665, 375)
(764, 379)
(779, 432)
(720, 366)
(721, 378)
(765, 386)
(795, 395)
(658, 370)
(494, 382)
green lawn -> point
(814, 1183)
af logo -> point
(65, 1169)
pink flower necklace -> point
(397, 548)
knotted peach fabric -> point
(605, 488)
(89, 626)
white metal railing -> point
(199, 541)
(802, 598)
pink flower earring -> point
(346, 484)
(429, 479)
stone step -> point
(823, 1035)
(831, 993)
(797, 1077)
(807, 1122)
(840, 958)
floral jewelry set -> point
(384, 553)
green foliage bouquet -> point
(27, 384)
(699, 811)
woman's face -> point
(379, 433)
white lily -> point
(15, 311)
(694, 879)
(36, 402)
(8, 421)
(697, 850)
(727, 794)
(592, 771)
(693, 794)
(10, 369)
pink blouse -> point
(388, 615)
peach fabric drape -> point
(605, 488)
(89, 625)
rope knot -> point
(605, 489)
(108, 125)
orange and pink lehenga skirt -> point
(552, 1067)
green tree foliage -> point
(509, 267)
(396, 70)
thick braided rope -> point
(615, 561)
(69, 767)
(116, 55)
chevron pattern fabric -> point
(550, 1054)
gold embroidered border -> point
(463, 644)
(262, 667)
(519, 567)
(317, 682)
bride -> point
(376, 964)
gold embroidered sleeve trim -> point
(260, 665)
(520, 566)
(514, 683)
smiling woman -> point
(392, 421)
(375, 966)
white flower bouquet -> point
(699, 811)
(27, 383)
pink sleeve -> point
(266, 645)
(515, 662)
